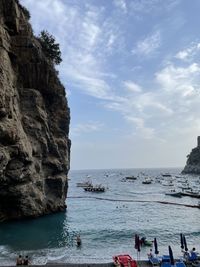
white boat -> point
(174, 193)
(185, 187)
(147, 180)
(131, 177)
(84, 184)
(167, 183)
(166, 174)
(95, 188)
(191, 193)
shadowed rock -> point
(34, 123)
(193, 161)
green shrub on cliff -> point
(50, 47)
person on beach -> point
(26, 261)
(150, 254)
(117, 263)
(78, 241)
(19, 260)
(186, 255)
(193, 255)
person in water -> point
(78, 241)
(19, 260)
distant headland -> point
(193, 161)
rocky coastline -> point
(193, 160)
(34, 122)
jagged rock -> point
(34, 123)
(193, 161)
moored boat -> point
(131, 178)
(167, 183)
(147, 180)
(84, 184)
(96, 188)
(166, 174)
(174, 193)
(191, 193)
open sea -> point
(107, 222)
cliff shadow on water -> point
(47, 232)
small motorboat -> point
(84, 184)
(95, 188)
(166, 174)
(191, 193)
(147, 180)
(131, 178)
(174, 193)
(167, 183)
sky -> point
(131, 69)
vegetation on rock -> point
(50, 47)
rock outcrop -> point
(34, 123)
(193, 161)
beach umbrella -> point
(182, 245)
(185, 243)
(156, 246)
(171, 256)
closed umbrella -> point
(182, 245)
(185, 243)
(137, 246)
(156, 246)
(136, 242)
(171, 256)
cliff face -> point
(34, 123)
(193, 161)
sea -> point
(107, 222)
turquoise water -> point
(107, 222)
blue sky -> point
(132, 75)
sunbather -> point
(150, 254)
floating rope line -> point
(141, 201)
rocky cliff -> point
(34, 123)
(193, 161)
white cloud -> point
(189, 53)
(85, 128)
(133, 87)
(111, 40)
(148, 45)
(146, 132)
(181, 80)
(147, 6)
(121, 4)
